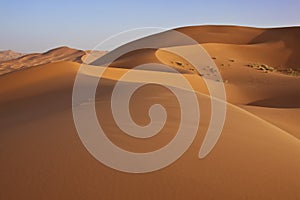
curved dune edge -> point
(244, 86)
(249, 149)
(197, 83)
(275, 47)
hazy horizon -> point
(33, 26)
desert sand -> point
(257, 156)
(35, 59)
(9, 55)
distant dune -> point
(30, 60)
(9, 55)
(257, 156)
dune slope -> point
(52, 162)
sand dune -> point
(59, 148)
(35, 59)
(275, 47)
(92, 55)
(233, 50)
(9, 55)
(257, 156)
(285, 38)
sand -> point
(35, 59)
(257, 156)
(9, 55)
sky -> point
(37, 26)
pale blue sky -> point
(34, 26)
